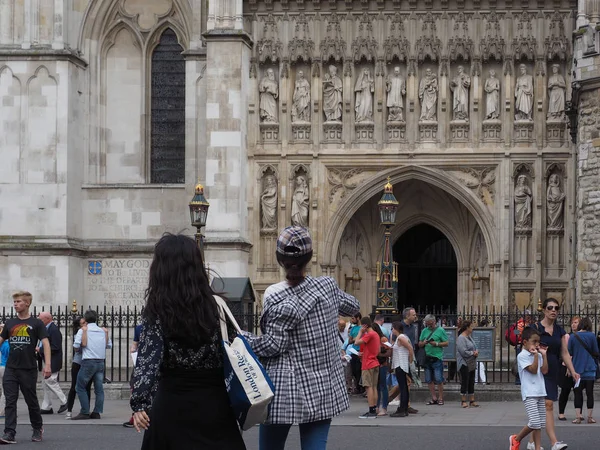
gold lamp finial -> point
(540, 307)
(74, 307)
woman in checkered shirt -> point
(299, 349)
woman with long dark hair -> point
(466, 361)
(297, 347)
(179, 395)
(78, 322)
(552, 336)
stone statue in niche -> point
(269, 92)
(396, 89)
(364, 88)
(460, 87)
(332, 96)
(428, 91)
(300, 202)
(523, 200)
(268, 204)
(524, 95)
(301, 99)
(555, 201)
(492, 103)
(556, 90)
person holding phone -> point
(23, 333)
(553, 337)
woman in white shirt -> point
(402, 357)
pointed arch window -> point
(167, 115)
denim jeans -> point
(434, 372)
(313, 436)
(382, 390)
(91, 369)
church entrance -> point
(427, 269)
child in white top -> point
(533, 364)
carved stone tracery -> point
(269, 47)
(556, 45)
(301, 46)
(460, 46)
(492, 45)
(333, 47)
(396, 45)
(428, 45)
(365, 45)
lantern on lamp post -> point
(387, 269)
(198, 214)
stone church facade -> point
(298, 113)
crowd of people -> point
(179, 359)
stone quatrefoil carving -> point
(147, 12)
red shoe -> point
(514, 444)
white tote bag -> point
(249, 387)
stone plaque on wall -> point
(114, 282)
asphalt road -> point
(112, 437)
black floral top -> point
(152, 360)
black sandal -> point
(432, 402)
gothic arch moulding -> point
(101, 14)
(373, 187)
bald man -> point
(50, 385)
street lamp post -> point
(198, 213)
(387, 269)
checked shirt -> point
(300, 350)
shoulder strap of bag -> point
(224, 314)
(595, 356)
(430, 334)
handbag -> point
(249, 387)
(594, 356)
(421, 356)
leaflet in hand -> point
(577, 383)
(352, 350)
(387, 344)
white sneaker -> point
(68, 416)
(394, 403)
(559, 446)
(531, 446)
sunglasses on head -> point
(552, 308)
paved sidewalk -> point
(451, 414)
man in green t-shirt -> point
(434, 339)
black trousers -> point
(72, 394)
(588, 385)
(566, 384)
(467, 381)
(356, 366)
(26, 380)
(401, 376)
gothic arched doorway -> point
(427, 269)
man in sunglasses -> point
(553, 336)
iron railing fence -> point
(120, 323)
(499, 371)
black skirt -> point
(191, 410)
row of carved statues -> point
(364, 89)
(523, 201)
(555, 200)
(268, 203)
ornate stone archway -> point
(482, 223)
